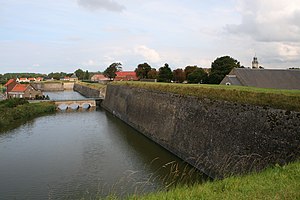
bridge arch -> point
(73, 106)
(76, 104)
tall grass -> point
(280, 99)
(13, 112)
(274, 183)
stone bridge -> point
(76, 104)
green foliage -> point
(282, 99)
(274, 183)
(17, 111)
(165, 74)
(8, 76)
(86, 75)
(110, 72)
(221, 67)
(10, 103)
(152, 74)
(56, 75)
(189, 69)
(142, 70)
(179, 75)
(80, 74)
(198, 75)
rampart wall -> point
(218, 137)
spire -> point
(255, 62)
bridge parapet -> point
(75, 104)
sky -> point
(46, 36)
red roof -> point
(23, 79)
(9, 82)
(31, 79)
(126, 76)
(20, 88)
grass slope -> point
(97, 86)
(281, 99)
(274, 183)
(17, 111)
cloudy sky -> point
(64, 35)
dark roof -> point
(74, 76)
(264, 78)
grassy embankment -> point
(17, 111)
(281, 99)
(274, 183)
(97, 86)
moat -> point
(83, 154)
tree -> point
(221, 67)
(179, 75)
(189, 69)
(86, 75)
(152, 74)
(79, 73)
(110, 72)
(165, 74)
(142, 70)
(197, 76)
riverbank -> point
(17, 111)
(273, 183)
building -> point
(9, 86)
(264, 78)
(24, 91)
(255, 63)
(66, 78)
(23, 80)
(100, 78)
(73, 78)
(126, 76)
(17, 90)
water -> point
(87, 154)
(64, 95)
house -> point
(38, 79)
(126, 76)
(23, 91)
(66, 78)
(100, 78)
(264, 78)
(9, 86)
(31, 79)
(73, 78)
(17, 90)
(23, 80)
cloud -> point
(268, 21)
(149, 54)
(109, 5)
(271, 29)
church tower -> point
(255, 63)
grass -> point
(274, 183)
(275, 98)
(97, 86)
(17, 111)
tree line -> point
(190, 74)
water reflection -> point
(81, 154)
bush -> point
(17, 111)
